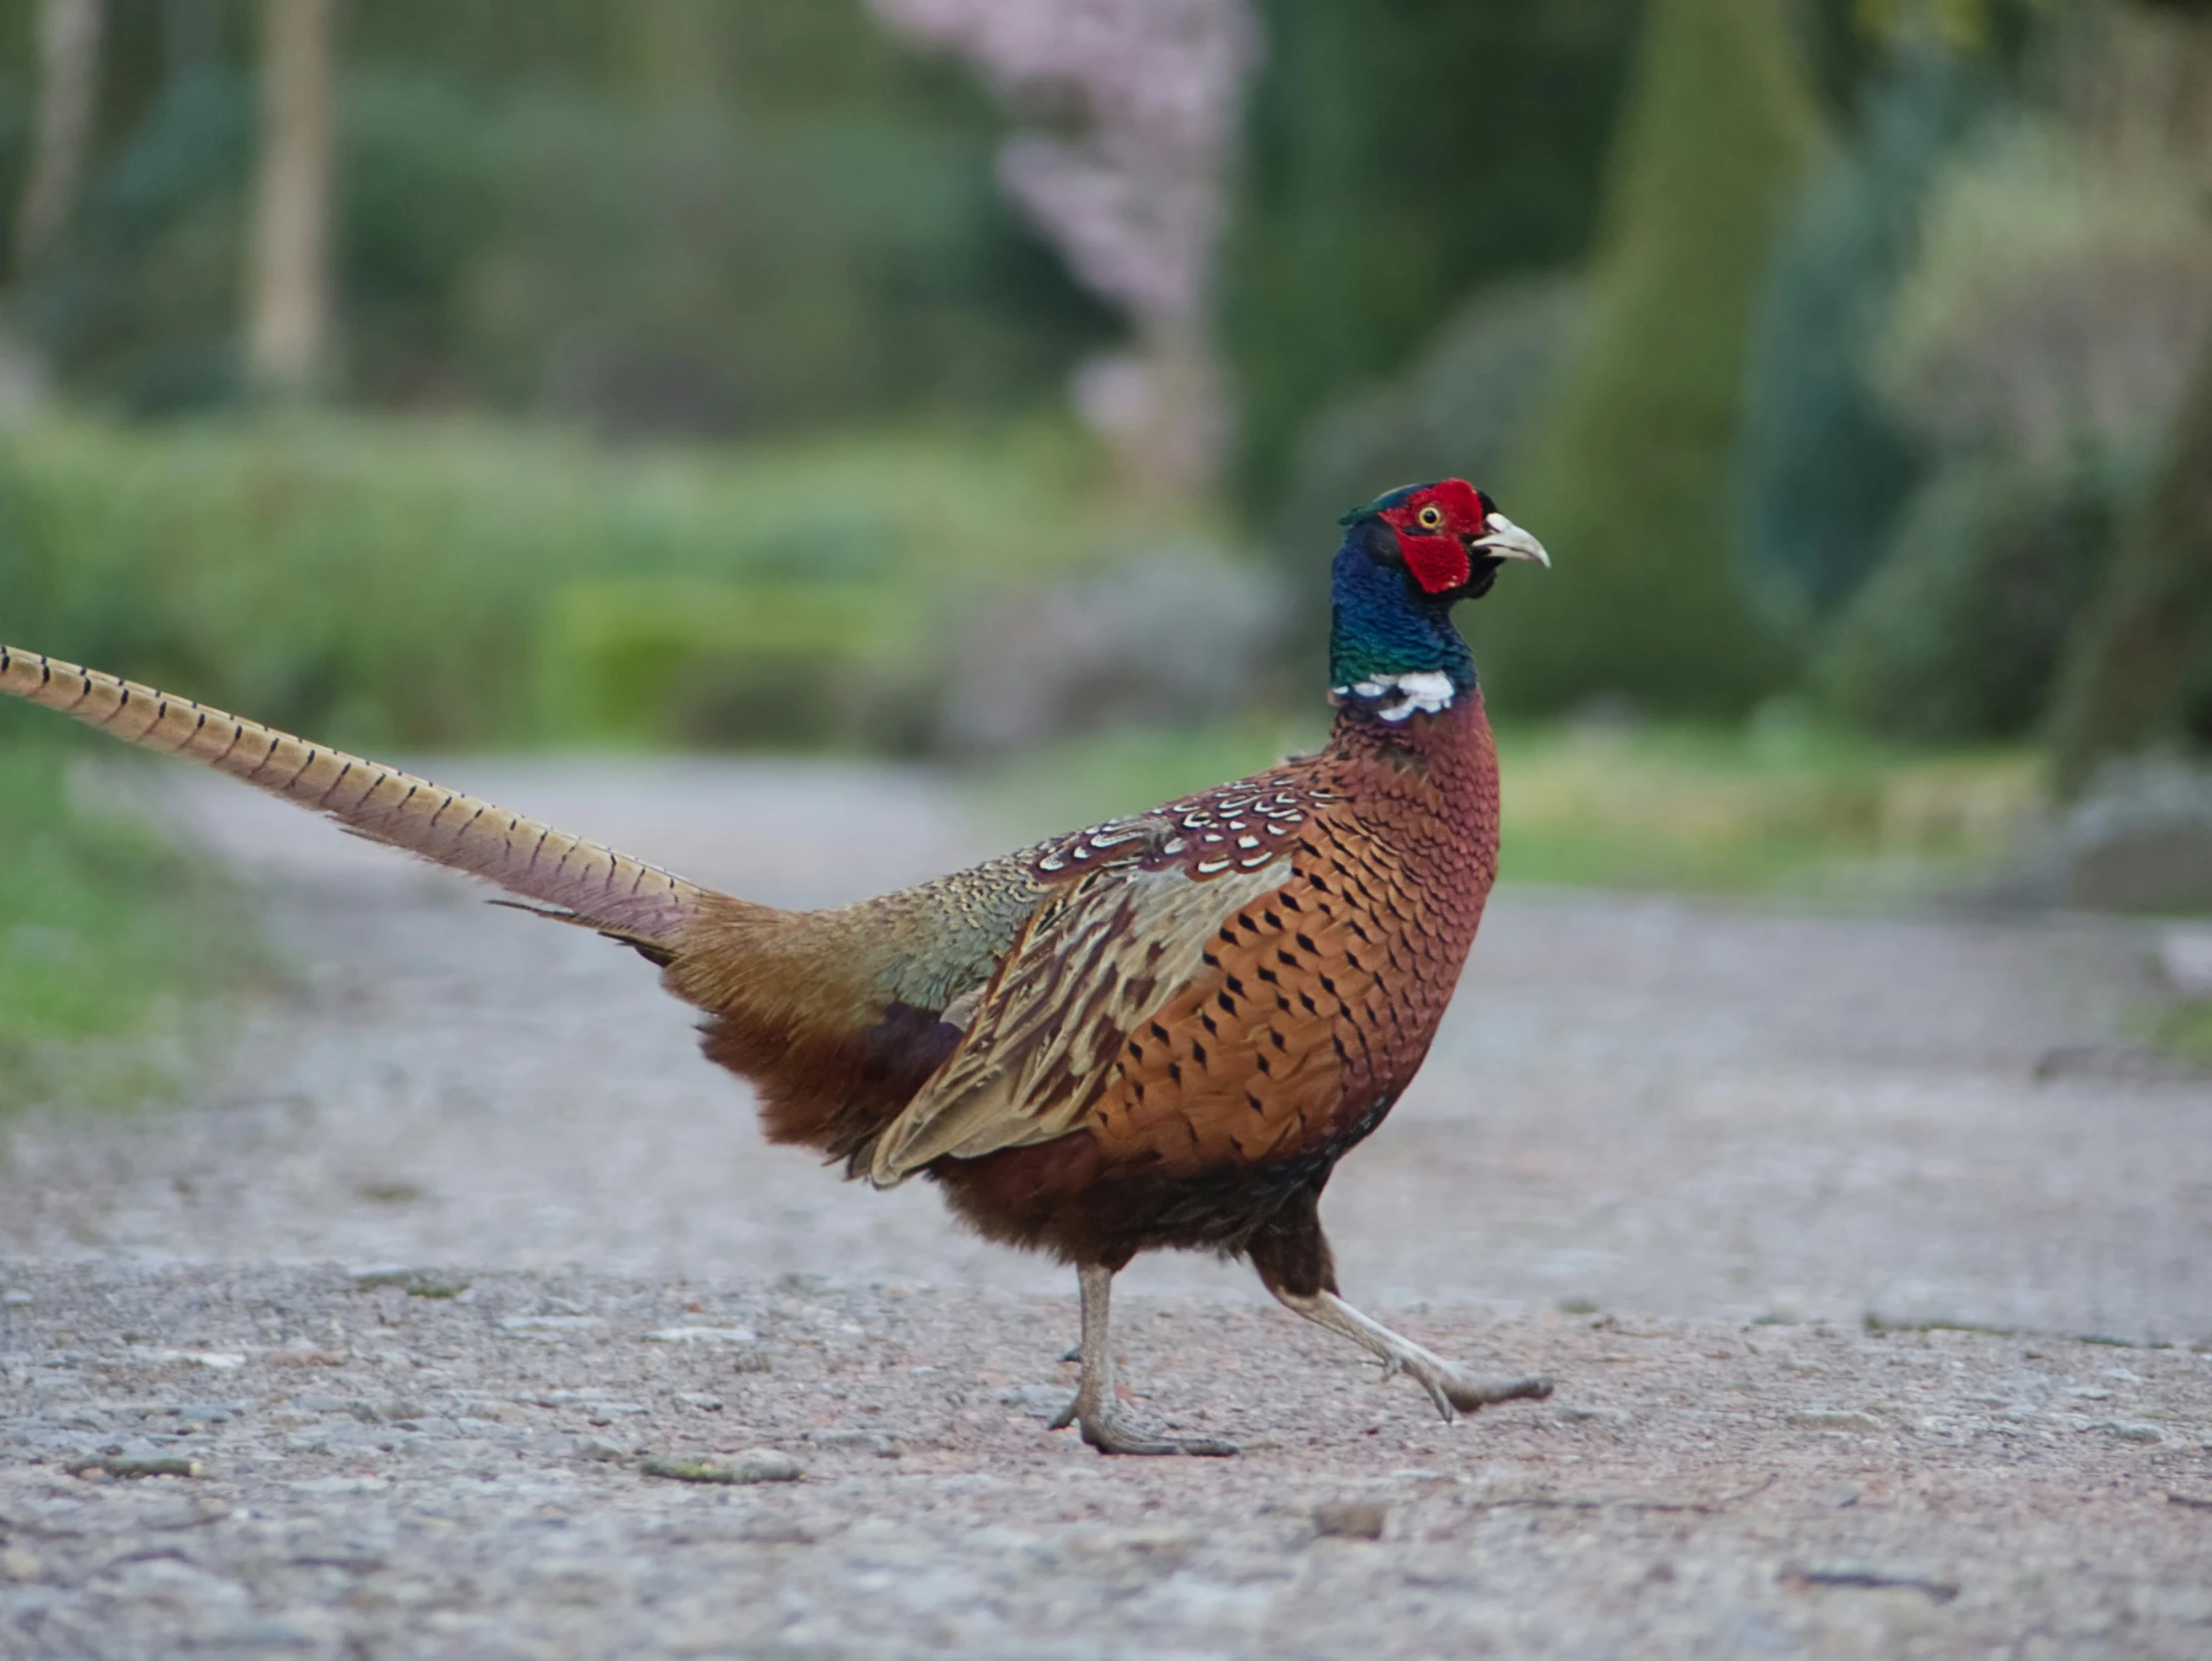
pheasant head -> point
(1407, 558)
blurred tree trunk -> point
(68, 92)
(288, 301)
(2139, 647)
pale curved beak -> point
(1507, 540)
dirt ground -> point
(472, 1230)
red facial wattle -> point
(1433, 528)
(1438, 563)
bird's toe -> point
(1468, 1394)
(1110, 1435)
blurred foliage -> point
(2140, 671)
(2058, 298)
(1824, 465)
(1455, 411)
(1626, 478)
(769, 664)
(105, 931)
(1958, 635)
(1773, 807)
(1402, 153)
(759, 215)
(431, 583)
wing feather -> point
(1092, 965)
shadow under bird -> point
(1163, 1031)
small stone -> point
(1830, 1418)
(1349, 1519)
(704, 1403)
(127, 1466)
(16, 1295)
(21, 1566)
(597, 1449)
(756, 1465)
(1579, 1306)
(702, 1335)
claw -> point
(1441, 1394)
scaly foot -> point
(1095, 1406)
(1110, 1434)
(1456, 1391)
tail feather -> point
(582, 881)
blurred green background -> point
(977, 382)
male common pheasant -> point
(1163, 1031)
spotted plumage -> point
(1159, 1032)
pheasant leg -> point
(1453, 1388)
(1095, 1406)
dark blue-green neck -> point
(1382, 627)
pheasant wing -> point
(1124, 934)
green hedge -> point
(435, 585)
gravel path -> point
(1675, 1154)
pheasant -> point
(1160, 1032)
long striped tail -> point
(583, 882)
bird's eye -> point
(1430, 517)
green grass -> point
(114, 945)
(1673, 807)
